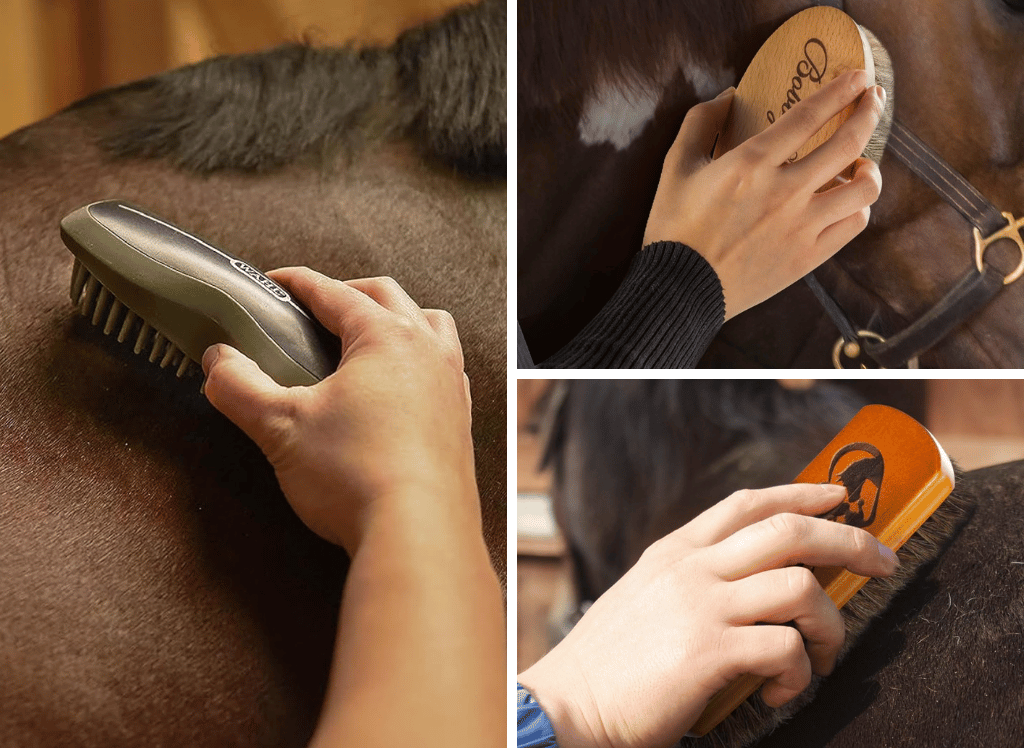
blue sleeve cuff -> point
(533, 729)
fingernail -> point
(725, 93)
(834, 489)
(881, 94)
(858, 80)
(210, 358)
(889, 555)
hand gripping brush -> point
(897, 478)
(176, 295)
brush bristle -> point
(885, 78)
(100, 305)
(753, 718)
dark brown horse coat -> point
(604, 86)
(155, 588)
(941, 665)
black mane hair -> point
(633, 460)
(442, 84)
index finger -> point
(333, 302)
(746, 507)
(789, 539)
(784, 138)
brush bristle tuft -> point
(884, 77)
(96, 301)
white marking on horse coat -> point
(707, 81)
(617, 113)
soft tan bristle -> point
(183, 366)
(78, 277)
(116, 307)
(884, 77)
(140, 342)
(169, 355)
(129, 320)
(158, 343)
(101, 303)
(92, 288)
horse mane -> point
(567, 48)
(634, 459)
(442, 84)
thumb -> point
(701, 126)
(250, 399)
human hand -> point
(390, 426)
(643, 662)
(755, 218)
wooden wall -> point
(53, 52)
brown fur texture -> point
(155, 587)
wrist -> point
(565, 707)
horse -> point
(155, 588)
(603, 88)
(924, 665)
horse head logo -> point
(860, 469)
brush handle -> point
(195, 294)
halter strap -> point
(974, 290)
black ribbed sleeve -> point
(663, 315)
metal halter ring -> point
(1012, 232)
(852, 349)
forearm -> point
(420, 653)
(663, 315)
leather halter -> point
(976, 288)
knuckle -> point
(861, 542)
(278, 430)
(789, 526)
(388, 283)
(850, 145)
(805, 118)
(863, 216)
(802, 584)
(745, 500)
(872, 182)
(791, 645)
(750, 155)
(696, 112)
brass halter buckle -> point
(1012, 232)
(852, 349)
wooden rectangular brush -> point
(896, 476)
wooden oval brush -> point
(809, 50)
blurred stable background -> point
(978, 422)
(54, 52)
